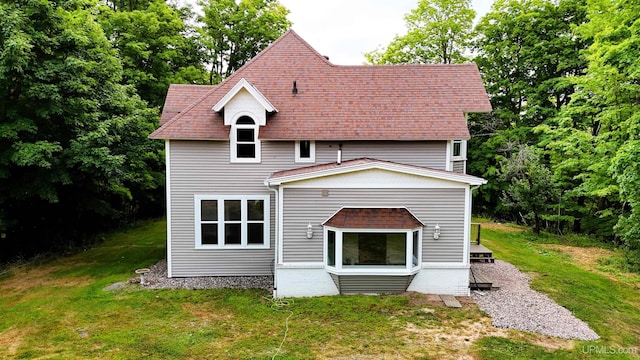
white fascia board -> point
(455, 177)
(244, 84)
(372, 207)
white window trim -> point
(463, 150)
(233, 137)
(243, 220)
(338, 269)
(312, 152)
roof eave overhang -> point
(244, 84)
(425, 172)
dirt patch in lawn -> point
(24, 279)
(586, 257)
(454, 341)
(27, 283)
(205, 313)
(502, 227)
(11, 340)
(417, 299)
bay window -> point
(360, 250)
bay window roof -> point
(373, 218)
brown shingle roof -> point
(374, 218)
(179, 97)
(395, 102)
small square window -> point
(458, 150)
(305, 151)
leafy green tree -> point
(156, 46)
(605, 115)
(531, 190)
(236, 31)
(528, 54)
(438, 31)
(74, 155)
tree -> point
(531, 189)
(156, 46)
(605, 112)
(528, 54)
(236, 31)
(438, 31)
(74, 155)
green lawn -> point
(60, 310)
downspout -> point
(276, 242)
(468, 240)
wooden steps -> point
(478, 281)
(479, 253)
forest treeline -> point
(561, 149)
(81, 87)
(82, 84)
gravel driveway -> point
(517, 306)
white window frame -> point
(312, 152)
(339, 269)
(463, 150)
(233, 137)
(266, 244)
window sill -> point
(245, 161)
(374, 270)
(232, 247)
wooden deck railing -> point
(474, 234)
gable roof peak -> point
(244, 84)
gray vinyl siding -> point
(442, 206)
(203, 167)
(430, 154)
(458, 166)
(372, 284)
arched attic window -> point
(245, 146)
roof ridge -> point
(471, 63)
(215, 87)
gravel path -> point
(517, 306)
(158, 279)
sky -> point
(344, 30)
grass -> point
(60, 310)
(608, 304)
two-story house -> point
(332, 179)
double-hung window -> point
(245, 146)
(231, 221)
